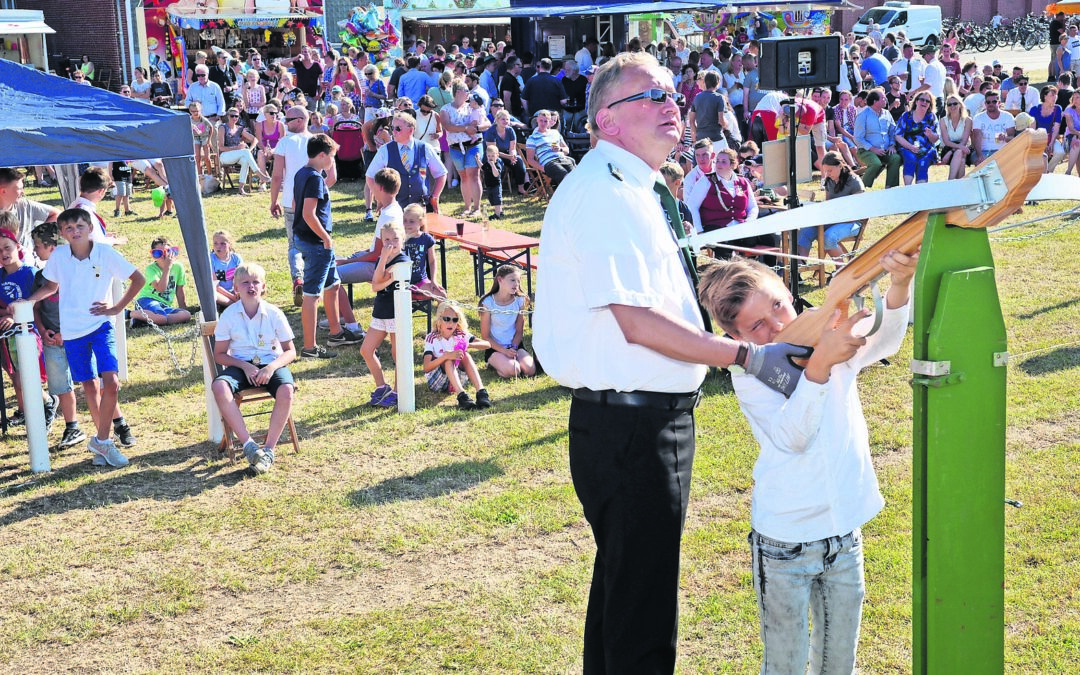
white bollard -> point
(120, 332)
(216, 427)
(33, 407)
(403, 329)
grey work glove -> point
(774, 365)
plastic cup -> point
(460, 228)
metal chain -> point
(1035, 235)
(192, 334)
(463, 305)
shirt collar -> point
(633, 169)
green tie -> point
(671, 210)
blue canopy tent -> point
(52, 120)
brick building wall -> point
(89, 27)
(967, 10)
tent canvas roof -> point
(53, 120)
(563, 8)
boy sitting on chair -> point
(255, 344)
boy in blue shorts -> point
(814, 482)
(47, 318)
(312, 234)
(165, 279)
(255, 344)
(85, 271)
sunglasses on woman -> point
(158, 252)
(449, 319)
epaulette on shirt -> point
(615, 172)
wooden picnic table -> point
(490, 248)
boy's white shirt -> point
(390, 213)
(84, 282)
(260, 335)
(814, 477)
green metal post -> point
(958, 528)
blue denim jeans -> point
(821, 578)
(320, 270)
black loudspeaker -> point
(798, 62)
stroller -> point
(350, 155)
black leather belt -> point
(640, 399)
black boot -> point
(482, 399)
(464, 402)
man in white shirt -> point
(1021, 98)
(974, 101)
(1073, 45)
(586, 56)
(933, 77)
(909, 69)
(617, 321)
(992, 128)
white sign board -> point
(556, 47)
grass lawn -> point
(451, 541)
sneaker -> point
(130, 213)
(325, 323)
(266, 460)
(465, 402)
(389, 401)
(298, 294)
(482, 399)
(252, 452)
(72, 436)
(51, 406)
(345, 337)
(317, 352)
(17, 420)
(123, 433)
(369, 216)
(116, 213)
(379, 394)
(108, 453)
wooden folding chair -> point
(252, 395)
(539, 182)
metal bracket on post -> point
(992, 187)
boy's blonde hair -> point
(447, 308)
(416, 211)
(396, 226)
(8, 221)
(671, 171)
(726, 285)
(251, 270)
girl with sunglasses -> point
(956, 128)
(916, 136)
(165, 281)
(447, 362)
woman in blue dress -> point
(916, 136)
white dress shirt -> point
(814, 477)
(900, 68)
(935, 75)
(260, 335)
(607, 241)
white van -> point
(921, 23)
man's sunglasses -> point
(449, 319)
(654, 95)
(157, 252)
